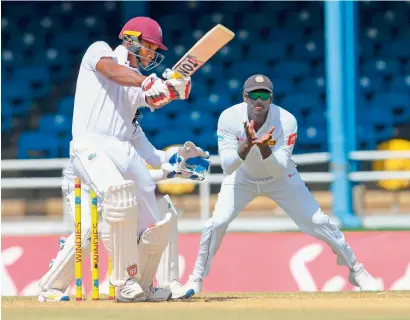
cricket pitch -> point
(391, 305)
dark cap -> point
(258, 81)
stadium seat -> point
(283, 86)
(35, 145)
(17, 95)
(375, 67)
(208, 140)
(312, 138)
(213, 103)
(396, 49)
(56, 60)
(55, 124)
(169, 137)
(66, 106)
(258, 21)
(268, 51)
(304, 103)
(395, 105)
(285, 36)
(64, 145)
(293, 69)
(207, 22)
(195, 120)
(38, 79)
(152, 122)
(382, 121)
(401, 84)
(371, 84)
(309, 50)
(365, 137)
(6, 116)
(313, 86)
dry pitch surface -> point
(391, 305)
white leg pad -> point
(150, 248)
(168, 269)
(119, 232)
(61, 273)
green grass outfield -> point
(392, 305)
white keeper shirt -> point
(231, 132)
(101, 106)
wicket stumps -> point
(95, 291)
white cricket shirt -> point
(231, 132)
(101, 106)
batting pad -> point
(119, 231)
(150, 248)
(168, 269)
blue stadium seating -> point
(153, 122)
(169, 137)
(17, 94)
(195, 120)
(284, 40)
(55, 124)
(6, 116)
(207, 140)
(38, 79)
(66, 105)
(37, 145)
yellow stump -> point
(111, 295)
(78, 249)
(95, 292)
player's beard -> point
(258, 110)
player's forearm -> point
(230, 160)
(119, 74)
(155, 158)
(243, 149)
(266, 151)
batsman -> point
(107, 155)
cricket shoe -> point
(359, 277)
(53, 295)
(179, 291)
(131, 291)
(158, 295)
(192, 287)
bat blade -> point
(210, 43)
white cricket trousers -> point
(290, 193)
(103, 161)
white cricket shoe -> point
(53, 295)
(131, 291)
(192, 287)
(359, 277)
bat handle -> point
(177, 75)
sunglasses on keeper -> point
(255, 95)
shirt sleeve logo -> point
(292, 139)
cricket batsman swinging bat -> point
(202, 51)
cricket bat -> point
(202, 51)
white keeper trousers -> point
(290, 193)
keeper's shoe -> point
(159, 295)
(53, 295)
(359, 277)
